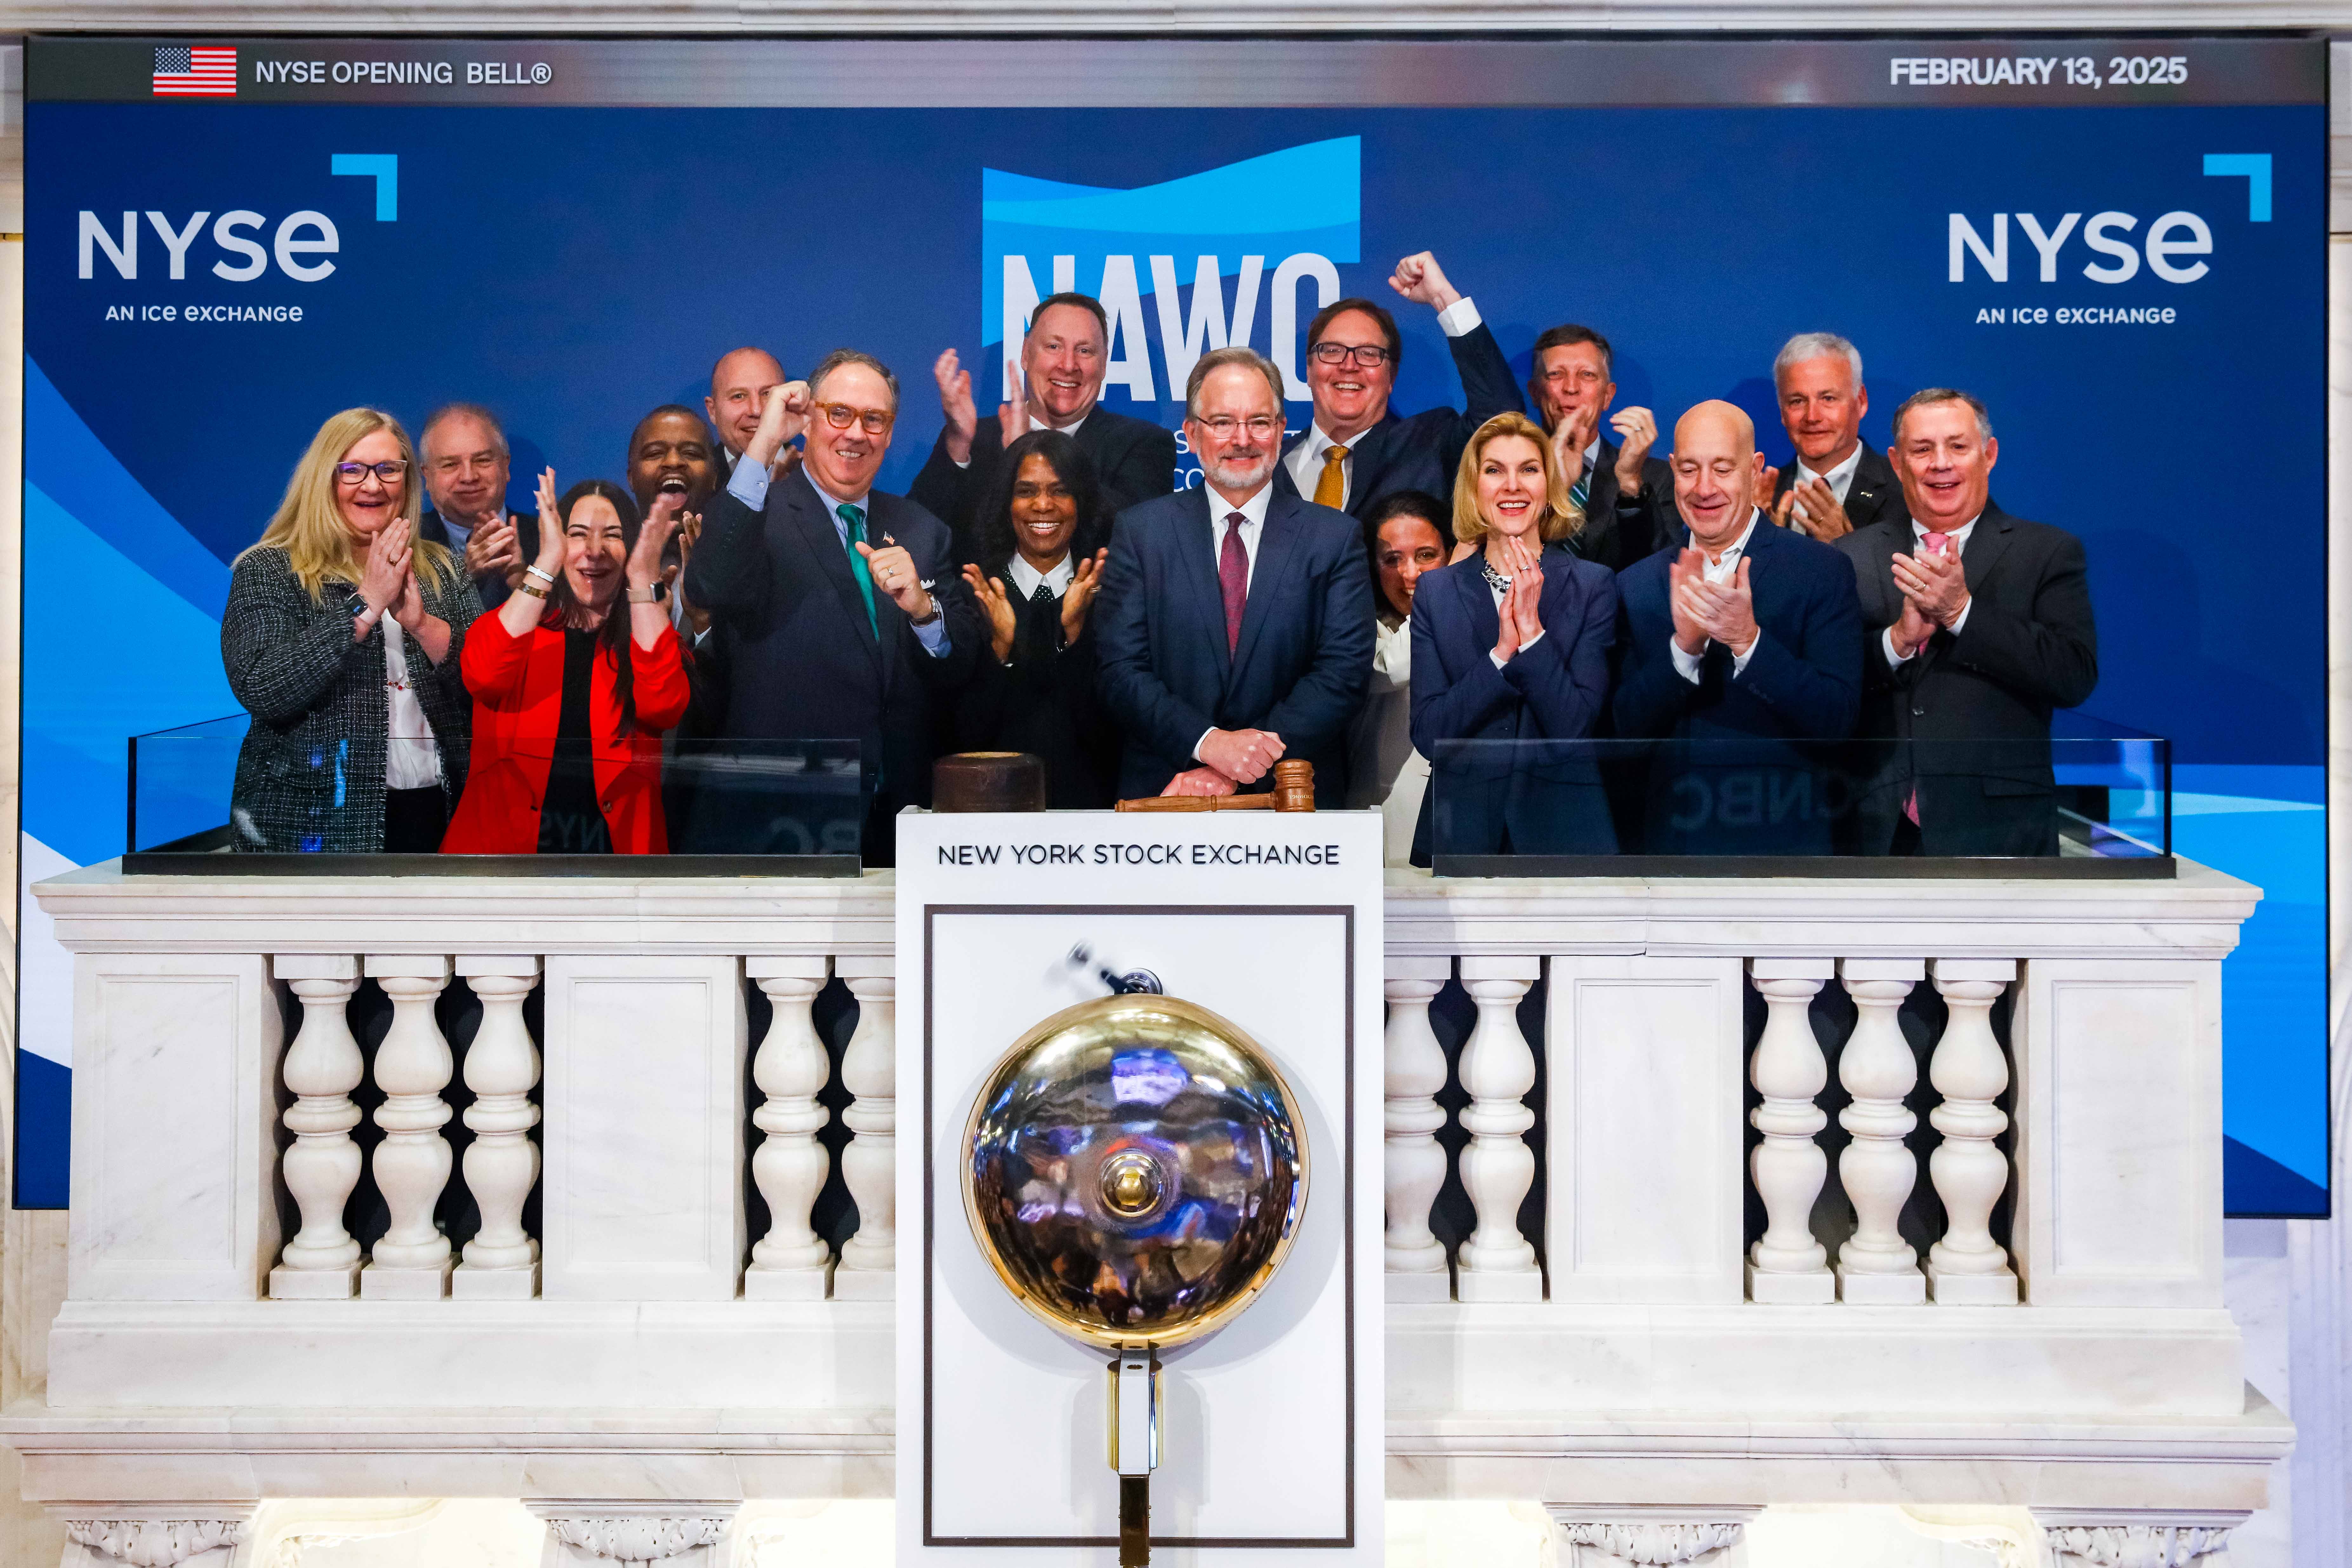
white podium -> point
(1271, 1441)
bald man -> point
(738, 391)
(1739, 640)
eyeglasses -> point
(1224, 426)
(357, 473)
(841, 416)
(1367, 356)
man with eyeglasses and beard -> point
(840, 605)
(1236, 627)
(1356, 450)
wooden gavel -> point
(1294, 790)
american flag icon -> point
(198, 71)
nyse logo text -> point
(298, 244)
(2115, 241)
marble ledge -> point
(2194, 916)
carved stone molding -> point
(2081, 1539)
(640, 1538)
(155, 1542)
(1656, 1537)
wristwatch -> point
(936, 610)
(652, 594)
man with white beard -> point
(1236, 627)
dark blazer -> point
(1979, 703)
(1045, 702)
(1621, 529)
(1875, 496)
(803, 661)
(1304, 655)
(1733, 783)
(1134, 460)
(494, 591)
(310, 775)
(1420, 452)
(1529, 800)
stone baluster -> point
(502, 1263)
(321, 1068)
(1498, 1067)
(1969, 1170)
(1415, 1161)
(1787, 1264)
(1876, 1265)
(792, 1262)
(412, 1261)
(869, 1165)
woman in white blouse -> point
(1405, 537)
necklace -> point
(1494, 580)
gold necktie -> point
(1332, 488)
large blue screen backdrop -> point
(2156, 374)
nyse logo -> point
(1272, 224)
(300, 243)
(2117, 238)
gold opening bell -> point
(1135, 1174)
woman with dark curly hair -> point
(1043, 537)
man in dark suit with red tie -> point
(839, 606)
(1236, 627)
(1980, 624)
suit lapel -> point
(1874, 481)
(805, 513)
(1986, 544)
(1277, 543)
(1478, 603)
(1198, 537)
(1283, 484)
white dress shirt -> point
(1253, 512)
(1027, 577)
(1720, 569)
(1959, 541)
(412, 759)
(1306, 459)
(1839, 479)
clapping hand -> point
(644, 563)
(955, 402)
(1935, 583)
(1086, 581)
(1689, 569)
(1013, 416)
(384, 578)
(994, 603)
(493, 550)
(1811, 508)
(408, 607)
(1637, 432)
(1725, 612)
(1518, 618)
(1569, 437)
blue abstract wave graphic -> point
(1305, 199)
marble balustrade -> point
(1656, 1151)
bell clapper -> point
(1134, 1447)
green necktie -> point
(855, 518)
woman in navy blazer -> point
(1511, 644)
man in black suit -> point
(1357, 451)
(1236, 627)
(1837, 482)
(1062, 365)
(464, 453)
(839, 606)
(1737, 648)
(1980, 625)
(1627, 495)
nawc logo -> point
(1272, 224)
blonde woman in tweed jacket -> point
(342, 638)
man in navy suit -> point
(839, 606)
(1236, 627)
(1357, 450)
(1743, 642)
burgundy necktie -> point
(1233, 576)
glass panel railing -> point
(709, 807)
(2078, 805)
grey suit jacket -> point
(310, 777)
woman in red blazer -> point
(572, 688)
